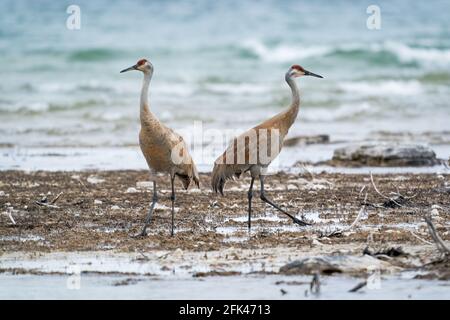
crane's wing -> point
(257, 146)
(184, 166)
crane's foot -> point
(300, 222)
(140, 235)
(143, 234)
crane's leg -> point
(250, 196)
(264, 198)
(172, 198)
(150, 210)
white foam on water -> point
(284, 53)
(384, 88)
(421, 55)
(404, 52)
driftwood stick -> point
(309, 172)
(442, 247)
(416, 236)
(358, 286)
(9, 213)
(362, 189)
(360, 213)
(56, 198)
(43, 204)
(340, 231)
(382, 195)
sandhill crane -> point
(246, 152)
(164, 150)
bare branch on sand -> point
(442, 247)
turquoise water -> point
(222, 63)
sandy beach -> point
(97, 214)
(98, 210)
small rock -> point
(315, 243)
(144, 185)
(160, 207)
(96, 201)
(321, 138)
(177, 253)
(115, 207)
(132, 190)
(385, 155)
(435, 213)
(235, 189)
(2, 193)
(94, 179)
(346, 264)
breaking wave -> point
(378, 52)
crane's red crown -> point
(298, 68)
(141, 62)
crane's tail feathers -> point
(195, 177)
(221, 173)
(191, 176)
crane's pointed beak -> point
(129, 69)
(308, 73)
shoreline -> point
(91, 227)
(314, 156)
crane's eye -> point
(141, 62)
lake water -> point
(218, 65)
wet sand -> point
(103, 210)
(98, 213)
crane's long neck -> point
(145, 110)
(292, 112)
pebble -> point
(435, 212)
(132, 190)
(144, 185)
(115, 207)
(94, 179)
(177, 253)
(96, 201)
